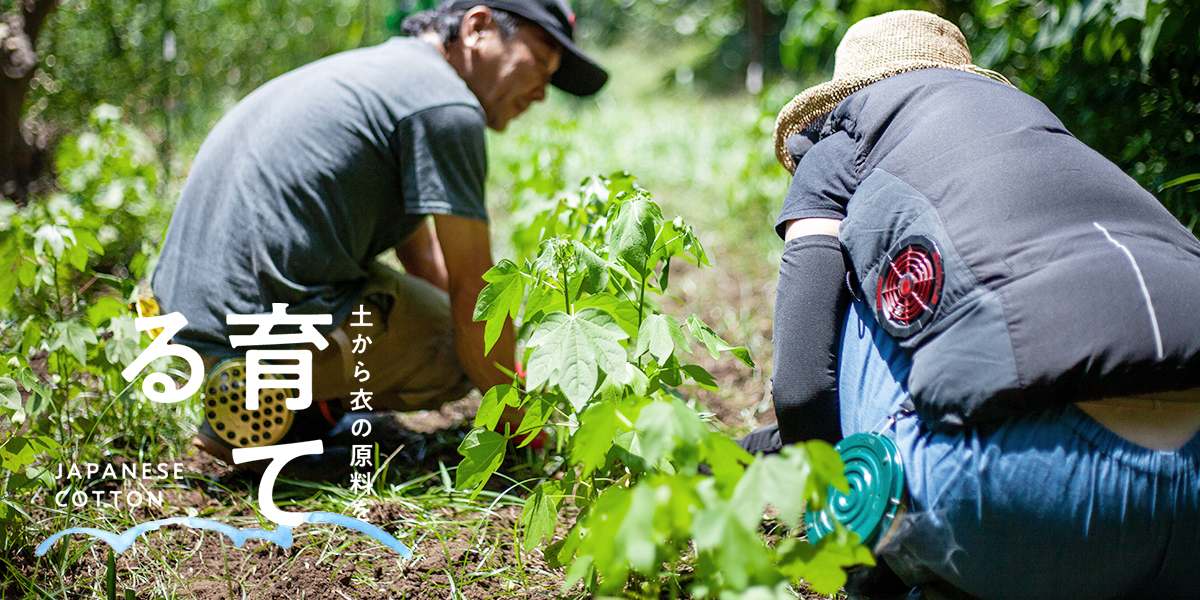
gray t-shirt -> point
(308, 178)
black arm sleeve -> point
(809, 303)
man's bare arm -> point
(467, 253)
(422, 256)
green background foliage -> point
(1121, 74)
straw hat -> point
(873, 49)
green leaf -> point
(537, 414)
(1149, 39)
(103, 309)
(125, 345)
(89, 240)
(31, 335)
(628, 449)
(560, 553)
(482, 451)
(542, 301)
(20, 451)
(40, 474)
(569, 348)
(706, 335)
(727, 461)
(714, 343)
(1180, 181)
(664, 423)
(602, 525)
(660, 335)
(493, 405)
(110, 576)
(1130, 9)
(781, 591)
(74, 336)
(10, 400)
(10, 261)
(53, 236)
(499, 300)
(636, 538)
(10, 396)
(723, 540)
(540, 514)
(76, 256)
(773, 480)
(701, 376)
(593, 268)
(632, 231)
(827, 467)
(26, 273)
(592, 440)
(671, 373)
(635, 379)
(823, 565)
(624, 311)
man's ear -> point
(475, 22)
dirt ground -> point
(461, 560)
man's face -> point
(508, 75)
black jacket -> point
(1063, 280)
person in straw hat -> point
(964, 277)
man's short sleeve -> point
(443, 161)
(823, 183)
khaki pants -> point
(411, 362)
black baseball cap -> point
(577, 74)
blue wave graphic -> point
(282, 536)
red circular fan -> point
(910, 285)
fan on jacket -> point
(910, 286)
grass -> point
(459, 544)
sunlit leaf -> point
(104, 308)
(660, 335)
(493, 404)
(500, 299)
(571, 347)
(823, 565)
(624, 311)
(724, 541)
(714, 343)
(74, 336)
(482, 451)
(540, 514)
(591, 267)
(594, 437)
(663, 424)
(632, 231)
(55, 237)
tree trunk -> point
(21, 162)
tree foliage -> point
(175, 66)
(1121, 74)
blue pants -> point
(1048, 505)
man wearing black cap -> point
(301, 185)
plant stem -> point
(62, 371)
(642, 298)
(566, 290)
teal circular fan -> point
(876, 477)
